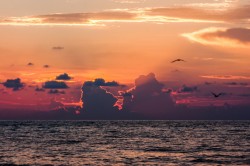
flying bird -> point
(178, 60)
(216, 95)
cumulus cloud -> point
(55, 85)
(64, 76)
(97, 100)
(101, 82)
(221, 36)
(15, 84)
(148, 97)
(188, 89)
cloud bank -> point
(163, 14)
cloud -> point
(57, 48)
(101, 82)
(226, 77)
(148, 97)
(188, 89)
(221, 36)
(97, 100)
(129, 1)
(155, 15)
(64, 76)
(236, 83)
(16, 84)
(40, 89)
(30, 64)
(88, 19)
(56, 91)
(191, 13)
(46, 66)
(55, 85)
(209, 83)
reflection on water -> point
(125, 142)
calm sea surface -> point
(125, 142)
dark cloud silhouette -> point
(15, 84)
(188, 89)
(148, 97)
(30, 64)
(209, 83)
(39, 89)
(64, 76)
(236, 83)
(101, 82)
(46, 66)
(56, 91)
(97, 100)
(57, 48)
(55, 85)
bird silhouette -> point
(46, 66)
(178, 60)
(216, 95)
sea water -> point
(124, 143)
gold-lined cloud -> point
(227, 77)
(233, 14)
(155, 15)
(221, 36)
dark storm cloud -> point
(57, 48)
(96, 99)
(64, 76)
(16, 84)
(148, 97)
(55, 85)
(188, 89)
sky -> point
(65, 54)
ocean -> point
(124, 143)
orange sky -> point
(121, 39)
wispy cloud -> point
(157, 15)
(226, 77)
(221, 36)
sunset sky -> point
(119, 40)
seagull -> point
(178, 60)
(217, 95)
